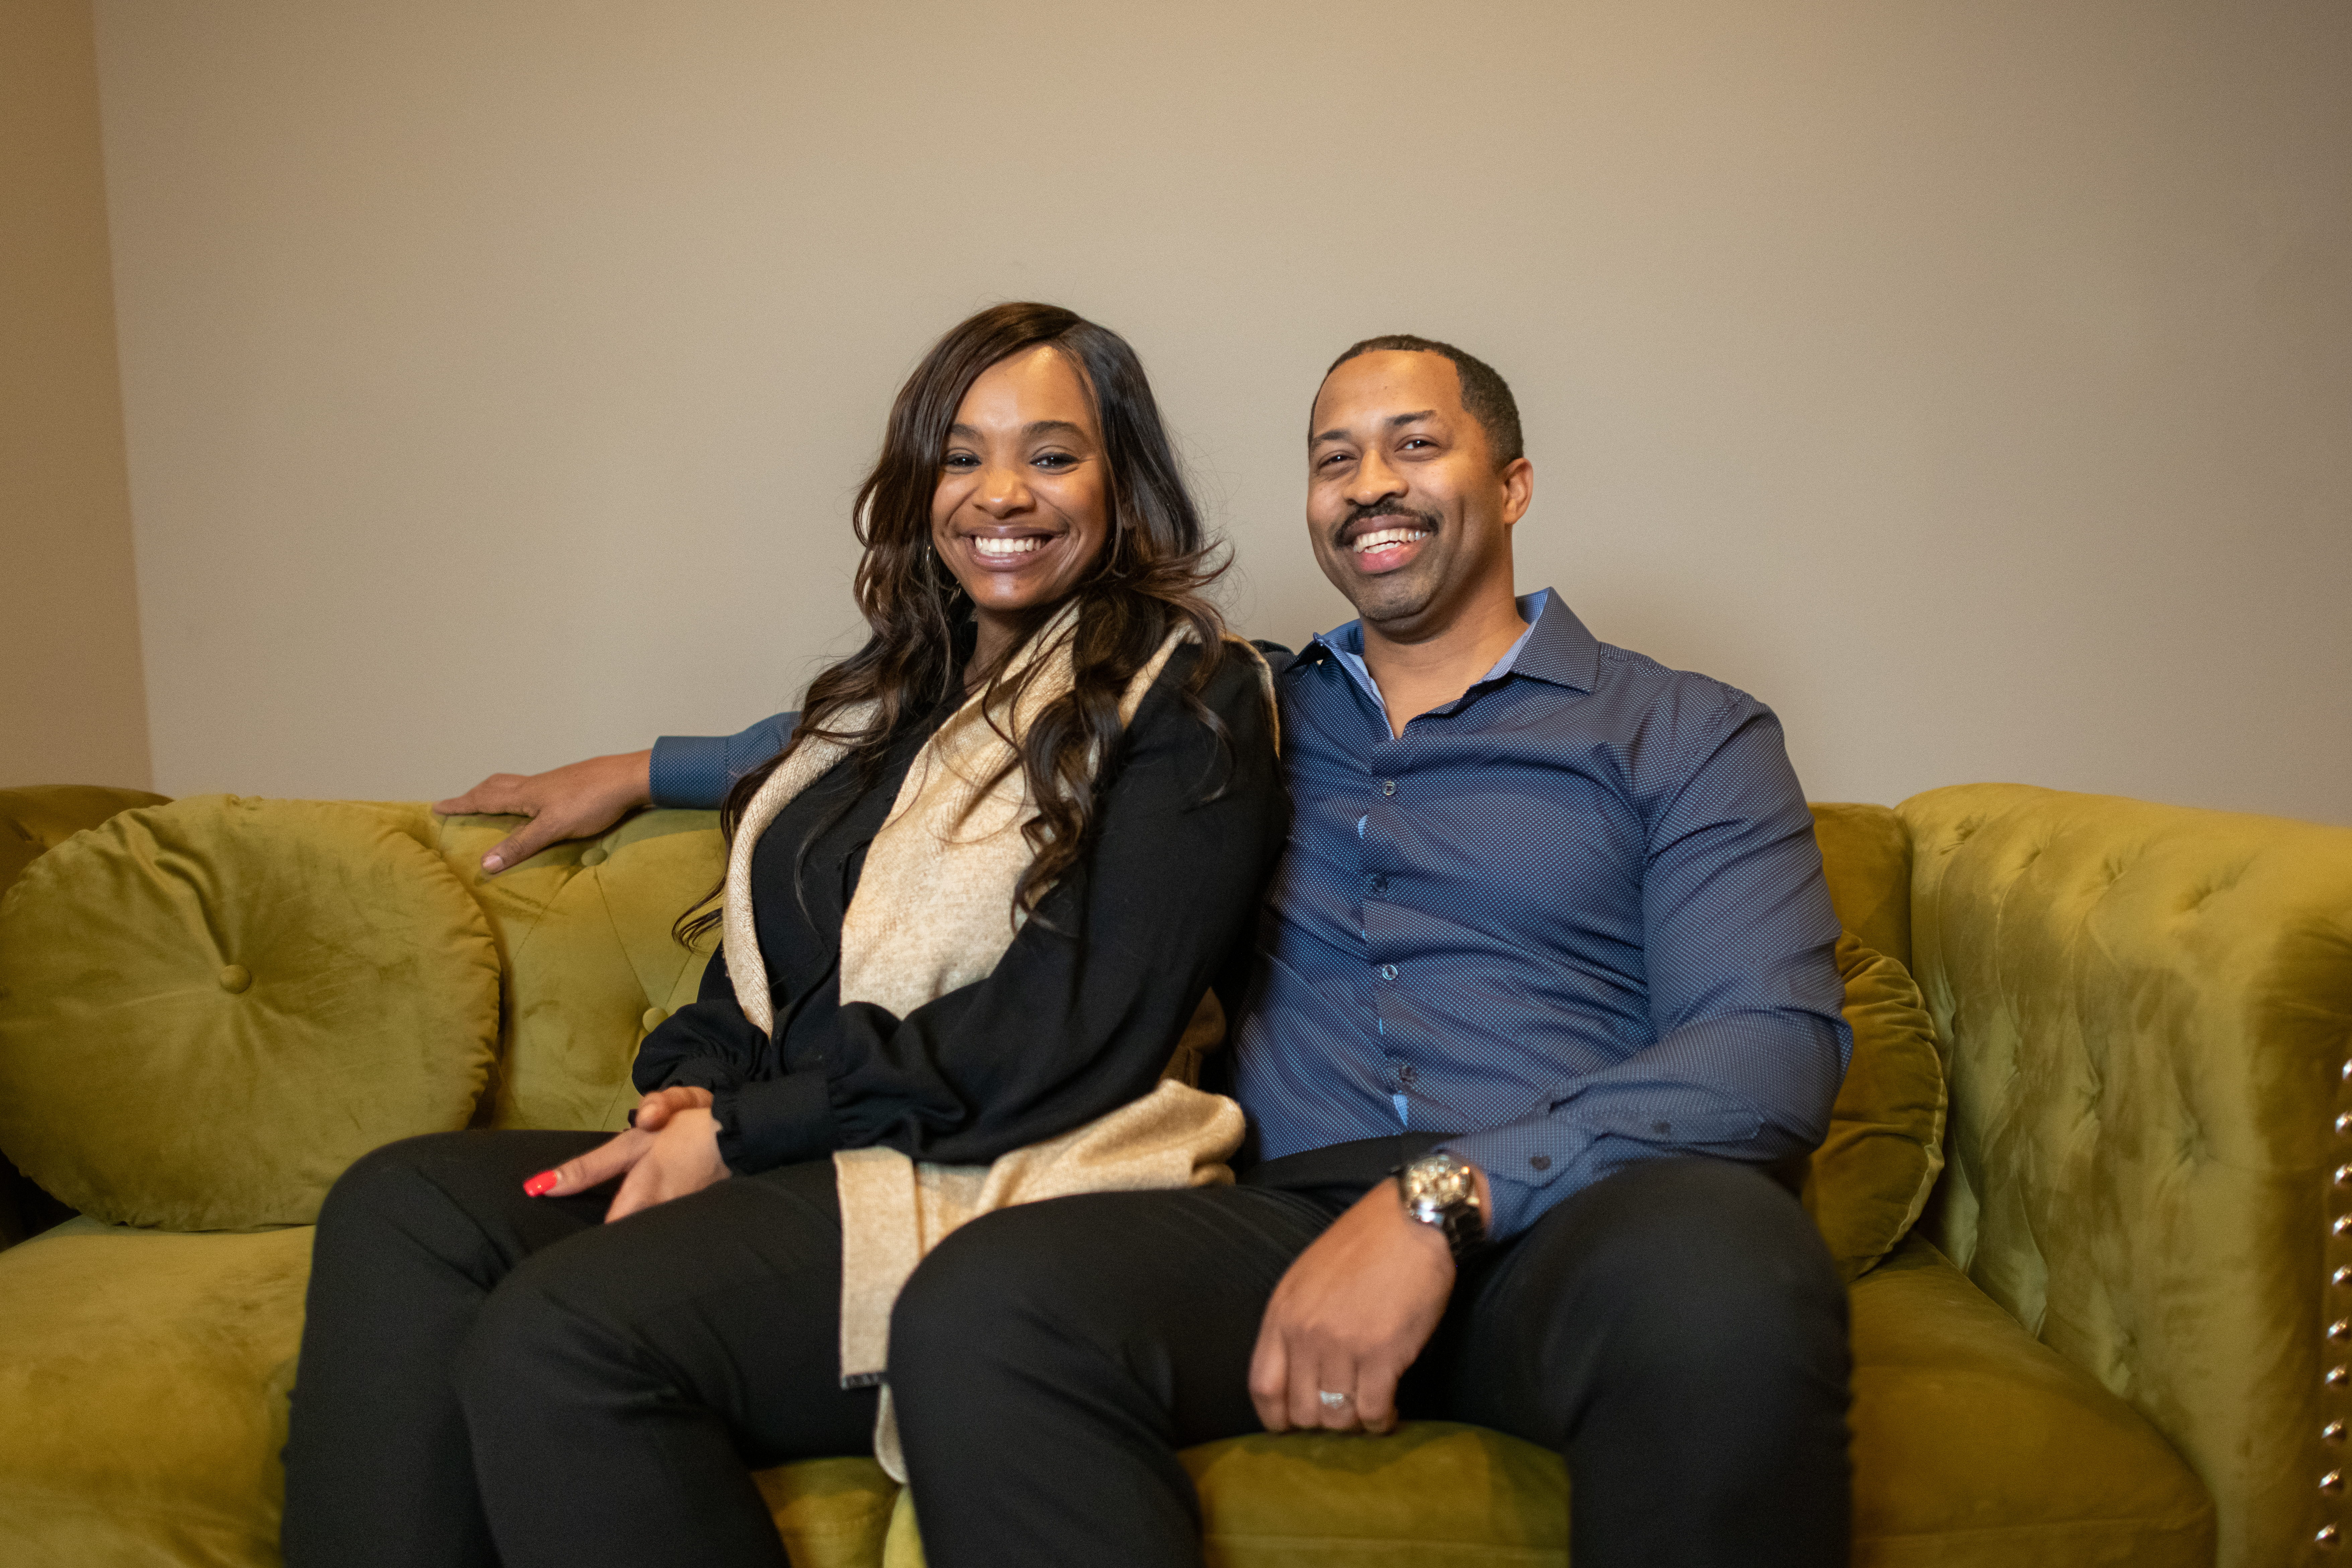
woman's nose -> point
(1001, 492)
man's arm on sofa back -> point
(582, 799)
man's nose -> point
(1375, 479)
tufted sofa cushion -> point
(208, 1009)
(2147, 1010)
(584, 930)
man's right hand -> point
(571, 802)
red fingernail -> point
(539, 1186)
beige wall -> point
(1969, 380)
(72, 707)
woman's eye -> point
(961, 460)
(1056, 461)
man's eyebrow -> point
(1395, 422)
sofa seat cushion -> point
(1973, 1447)
(145, 1378)
(209, 1009)
(142, 1379)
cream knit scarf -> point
(933, 913)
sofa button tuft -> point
(234, 978)
(592, 855)
(652, 1020)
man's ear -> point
(1519, 477)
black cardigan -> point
(1078, 1018)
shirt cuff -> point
(690, 772)
(1524, 1165)
(774, 1121)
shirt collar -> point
(1555, 647)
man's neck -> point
(1417, 674)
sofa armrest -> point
(2145, 1012)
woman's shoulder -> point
(1239, 690)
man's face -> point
(1407, 512)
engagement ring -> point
(1331, 1401)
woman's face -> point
(1022, 504)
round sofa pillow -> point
(209, 1009)
(1870, 1177)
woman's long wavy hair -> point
(1156, 562)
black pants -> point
(478, 1365)
(1677, 1331)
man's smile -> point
(1383, 541)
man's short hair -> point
(1485, 396)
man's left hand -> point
(1352, 1313)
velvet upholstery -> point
(256, 994)
(1973, 1443)
(33, 821)
(2146, 1011)
(143, 1395)
(1867, 858)
(1866, 1183)
(584, 929)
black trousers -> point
(480, 1366)
(1677, 1331)
(490, 1378)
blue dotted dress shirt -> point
(1575, 917)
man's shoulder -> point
(1637, 682)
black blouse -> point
(1080, 1015)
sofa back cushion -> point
(1866, 857)
(208, 1009)
(584, 928)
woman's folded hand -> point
(671, 1149)
(683, 1159)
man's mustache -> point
(1359, 518)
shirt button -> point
(1380, 884)
(1540, 1161)
(1388, 972)
(1407, 1073)
(1388, 786)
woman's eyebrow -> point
(1051, 427)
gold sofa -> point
(2114, 1337)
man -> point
(1545, 993)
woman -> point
(968, 917)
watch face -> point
(1437, 1184)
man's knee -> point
(1706, 1265)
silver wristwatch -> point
(1439, 1190)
